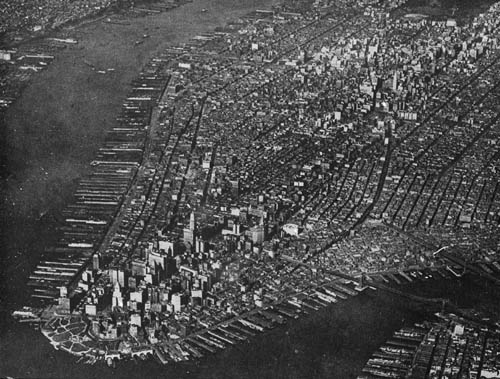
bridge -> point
(364, 280)
(457, 261)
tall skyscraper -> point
(117, 296)
(96, 260)
(189, 232)
(258, 232)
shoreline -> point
(40, 220)
(75, 106)
(6, 41)
(338, 339)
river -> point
(334, 342)
(52, 133)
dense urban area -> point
(452, 347)
(278, 165)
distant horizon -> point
(262, 194)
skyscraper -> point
(117, 296)
(96, 261)
(189, 232)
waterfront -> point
(53, 131)
(335, 342)
(307, 347)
